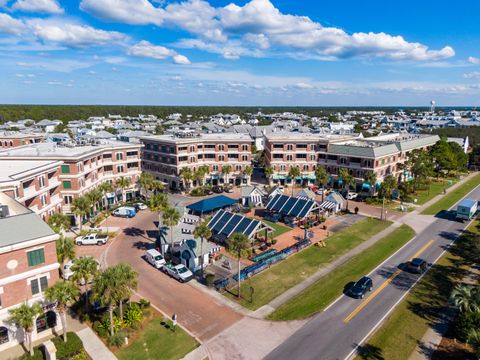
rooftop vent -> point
(4, 212)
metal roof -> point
(292, 206)
(24, 227)
(227, 223)
(212, 204)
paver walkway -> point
(94, 347)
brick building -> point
(10, 139)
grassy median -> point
(316, 297)
(453, 196)
(272, 282)
(397, 338)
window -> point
(3, 335)
(278, 156)
(245, 147)
(65, 169)
(43, 199)
(119, 156)
(39, 285)
(289, 157)
(120, 169)
(41, 181)
(278, 146)
(36, 257)
(215, 167)
(305, 167)
(233, 146)
(221, 147)
(290, 147)
(245, 158)
(46, 321)
(67, 184)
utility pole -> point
(383, 209)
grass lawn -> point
(452, 197)
(155, 341)
(436, 188)
(324, 291)
(272, 282)
(397, 338)
(278, 229)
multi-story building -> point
(383, 155)
(34, 183)
(10, 139)
(165, 155)
(84, 167)
(28, 266)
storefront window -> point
(3, 335)
(46, 321)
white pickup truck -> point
(179, 272)
(92, 239)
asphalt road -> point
(336, 332)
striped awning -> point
(328, 205)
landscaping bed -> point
(71, 350)
(316, 297)
(272, 282)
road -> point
(336, 332)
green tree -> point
(171, 218)
(238, 243)
(474, 340)
(63, 293)
(421, 166)
(268, 173)
(389, 184)
(84, 270)
(321, 176)
(127, 282)
(106, 292)
(226, 170)
(466, 298)
(80, 208)
(293, 173)
(122, 184)
(106, 188)
(248, 173)
(348, 180)
(24, 317)
(371, 178)
(65, 250)
(158, 186)
(187, 176)
(59, 222)
(145, 183)
(94, 197)
(203, 232)
(158, 202)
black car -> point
(217, 189)
(417, 266)
(360, 288)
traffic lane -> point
(197, 311)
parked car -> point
(67, 272)
(179, 272)
(360, 288)
(417, 266)
(91, 239)
(125, 211)
(228, 189)
(207, 191)
(140, 206)
(217, 189)
(352, 195)
(319, 191)
(154, 258)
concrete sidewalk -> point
(94, 347)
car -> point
(67, 272)
(179, 272)
(140, 206)
(154, 258)
(417, 266)
(319, 191)
(228, 189)
(207, 191)
(352, 195)
(360, 288)
(91, 239)
(217, 189)
(125, 211)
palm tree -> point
(293, 173)
(123, 183)
(389, 184)
(465, 297)
(80, 208)
(171, 218)
(65, 250)
(63, 293)
(105, 291)
(158, 186)
(127, 282)
(59, 222)
(237, 244)
(158, 203)
(268, 173)
(205, 170)
(474, 340)
(197, 176)
(226, 170)
(321, 175)
(94, 197)
(84, 269)
(371, 178)
(203, 232)
(187, 176)
(25, 317)
(348, 180)
(248, 172)
(145, 183)
(106, 188)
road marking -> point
(383, 286)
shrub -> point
(66, 349)
(209, 279)
(37, 355)
(144, 303)
(104, 325)
(274, 241)
(464, 322)
(117, 340)
(132, 316)
(100, 329)
(81, 356)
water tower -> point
(432, 106)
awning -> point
(211, 204)
(110, 195)
(278, 177)
(340, 181)
(328, 205)
(366, 186)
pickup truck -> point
(92, 239)
(179, 272)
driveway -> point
(199, 313)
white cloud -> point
(38, 6)
(134, 12)
(473, 60)
(304, 86)
(149, 50)
(72, 34)
(472, 75)
(9, 25)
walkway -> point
(94, 346)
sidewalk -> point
(94, 346)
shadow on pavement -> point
(369, 352)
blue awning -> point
(211, 204)
(366, 186)
(340, 181)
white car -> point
(352, 195)
(67, 272)
(140, 206)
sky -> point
(237, 52)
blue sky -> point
(257, 52)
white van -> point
(155, 258)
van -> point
(154, 258)
(125, 211)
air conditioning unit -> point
(4, 212)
